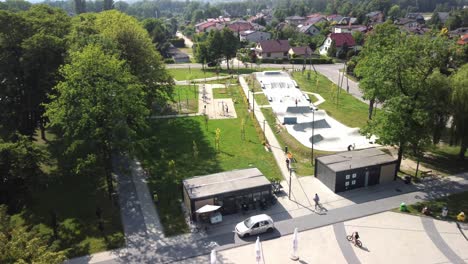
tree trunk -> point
(42, 127)
(400, 156)
(227, 63)
(371, 107)
(463, 148)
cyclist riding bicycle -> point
(355, 237)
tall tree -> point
(100, 105)
(80, 6)
(401, 75)
(439, 104)
(460, 107)
(230, 44)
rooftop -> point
(224, 182)
(342, 38)
(355, 159)
(274, 45)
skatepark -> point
(297, 112)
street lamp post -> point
(253, 103)
(312, 138)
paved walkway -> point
(214, 108)
(297, 193)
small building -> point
(228, 189)
(375, 17)
(254, 36)
(355, 169)
(342, 40)
(300, 52)
(349, 28)
(295, 20)
(178, 56)
(308, 29)
(272, 49)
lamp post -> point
(312, 139)
(290, 181)
(253, 102)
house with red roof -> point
(463, 40)
(240, 26)
(272, 49)
(342, 40)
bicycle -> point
(357, 242)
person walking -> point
(317, 201)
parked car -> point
(254, 225)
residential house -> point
(458, 32)
(348, 21)
(239, 26)
(335, 18)
(300, 52)
(272, 49)
(295, 20)
(254, 36)
(212, 23)
(314, 20)
(463, 40)
(349, 28)
(406, 22)
(308, 29)
(416, 16)
(375, 17)
(341, 40)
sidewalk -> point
(297, 193)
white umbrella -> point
(208, 208)
(295, 245)
(258, 251)
(213, 259)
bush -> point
(313, 61)
(275, 61)
(169, 61)
(178, 42)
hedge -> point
(299, 61)
(169, 61)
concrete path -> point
(214, 108)
(187, 82)
(297, 193)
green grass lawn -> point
(300, 152)
(185, 101)
(190, 143)
(444, 158)
(455, 203)
(194, 73)
(344, 107)
(75, 200)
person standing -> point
(317, 201)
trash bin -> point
(407, 179)
(403, 207)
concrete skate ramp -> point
(317, 138)
(318, 124)
(298, 110)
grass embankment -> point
(190, 143)
(341, 106)
(301, 153)
(455, 203)
(74, 199)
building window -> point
(285, 54)
(346, 183)
(347, 176)
(268, 54)
(353, 182)
(326, 48)
(354, 175)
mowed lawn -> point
(185, 100)
(197, 73)
(180, 148)
(341, 106)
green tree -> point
(230, 44)
(394, 12)
(460, 107)
(399, 80)
(439, 105)
(215, 46)
(20, 161)
(99, 106)
(80, 6)
(22, 244)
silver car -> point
(254, 225)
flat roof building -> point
(354, 169)
(228, 189)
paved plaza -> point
(387, 238)
(289, 102)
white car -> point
(253, 225)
